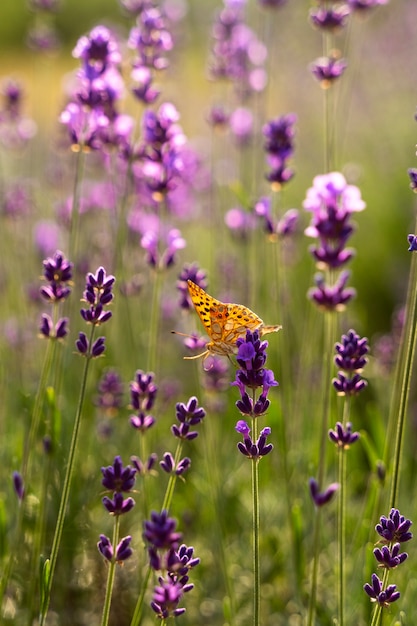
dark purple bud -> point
(322, 497)
(390, 557)
(377, 594)
(395, 527)
(123, 550)
(98, 347)
(104, 546)
(18, 485)
(82, 343)
(118, 478)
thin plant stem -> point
(172, 480)
(75, 210)
(154, 321)
(65, 492)
(410, 338)
(329, 321)
(111, 574)
(341, 520)
(169, 492)
(137, 615)
(255, 529)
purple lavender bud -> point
(395, 527)
(18, 485)
(104, 546)
(61, 328)
(332, 298)
(327, 70)
(322, 497)
(166, 597)
(351, 352)
(382, 597)
(142, 422)
(82, 343)
(288, 223)
(110, 392)
(46, 326)
(160, 532)
(412, 173)
(118, 478)
(98, 347)
(57, 269)
(183, 466)
(189, 413)
(144, 468)
(197, 275)
(349, 386)
(412, 240)
(242, 428)
(343, 437)
(123, 550)
(389, 557)
(330, 18)
(118, 505)
(365, 5)
(167, 463)
(143, 391)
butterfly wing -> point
(203, 304)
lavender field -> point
(208, 321)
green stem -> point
(75, 210)
(410, 338)
(65, 491)
(255, 530)
(111, 574)
(341, 521)
(329, 320)
(154, 322)
(137, 615)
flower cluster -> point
(351, 359)
(331, 201)
(57, 272)
(151, 40)
(329, 18)
(188, 416)
(117, 479)
(279, 148)
(15, 129)
(110, 393)
(43, 35)
(237, 54)
(98, 294)
(249, 448)
(91, 116)
(142, 398)
(252, 375)
(172, 560)
(393, 530)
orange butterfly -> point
(224, 322)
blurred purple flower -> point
(327, 70)
(320, 498)
(330, 18)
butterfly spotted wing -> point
(224, 322)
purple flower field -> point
(179, 181)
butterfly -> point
(224, 322)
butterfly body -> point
(224, 322)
